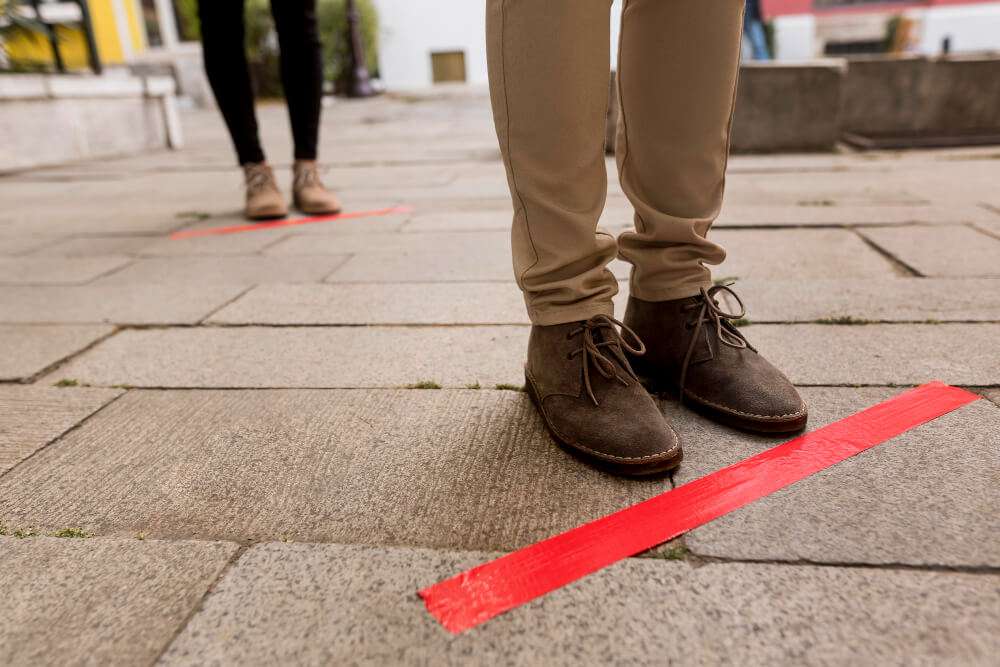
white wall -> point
(971, 28)
(409, 30)
(795, 37)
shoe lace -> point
(711, 313)
(606, 351)
(306, 176)
(258, 178)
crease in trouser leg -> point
(549, 70)
(678, 68)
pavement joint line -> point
(197, 608)
(987, 570)
(895, 262)
(62, 435)
(344, 259)
(227, 303)
(56, 365)
(131, 260)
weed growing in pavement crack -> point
(843, 319)
(424, 384)
(67, 382)
(503, 386)
(71, 532)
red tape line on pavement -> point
(483, 592)
(287, 222)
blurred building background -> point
(102, 77)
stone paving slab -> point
(158, 246)
(810, 354)
(992, 394)
(476, 470)
(246, 270)
(18, 245)
(927, 497)
(824, 253)
(805, 254)
(31, 417)
(61, 271)
(881, 354)
(459, 469)
(98, 601)
(311, 604)
(618, 216)
(306, 357)
(28, 350)
(941, 251)
(826, 214)
(141, 304)
(379, 303)
(872, 300)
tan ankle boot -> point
(264, 200)
(308, 192)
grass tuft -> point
(67, 382)
(424, 384)
(676, 553)
(474, 385)
(22, 533)
(71, 532)
(503, 386)
(843, 319)
(193, 215)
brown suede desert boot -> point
(264, 200)
(308, 193)
(695, 351)
(592, 403)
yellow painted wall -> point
(36, 49)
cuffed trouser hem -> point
(669, 293)
(564, 315)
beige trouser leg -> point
(549, 73)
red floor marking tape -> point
(483, 592)
(287, 222)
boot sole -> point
(748, 424)
(659, 467)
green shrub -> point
(262, 42)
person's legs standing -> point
(549, 71)
(222, 36)
(302, 79)
(301, 70)
(677, 75)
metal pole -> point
(50, 32)
(358, 83)
(88, 32)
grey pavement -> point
(355, 604)
(274, 389)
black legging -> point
(222, 36)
